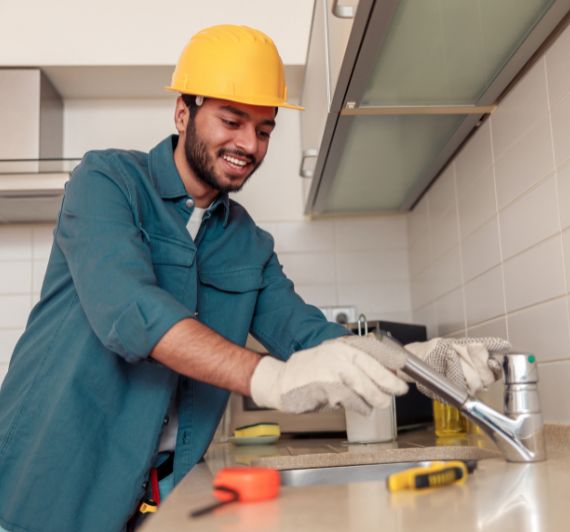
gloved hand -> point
(464, 361)
(333, 374)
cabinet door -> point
(329, 36)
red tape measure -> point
(243, 484)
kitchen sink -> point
(343, 474)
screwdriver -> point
(433, 475)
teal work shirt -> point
(83, 406)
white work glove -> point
(333, 374)
(464, 361)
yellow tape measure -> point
(434, 475)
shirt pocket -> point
(173, 262)
(227, 301)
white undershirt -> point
(168, 438)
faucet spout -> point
(520, 439)
(519, 432)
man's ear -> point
(181, 115)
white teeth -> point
(234, 161)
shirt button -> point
(189, 203)
(165, 420)
(145, 485)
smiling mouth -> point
(234, 161)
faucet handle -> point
(520, 368)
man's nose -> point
(247, 140)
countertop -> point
(498, 496)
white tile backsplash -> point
(427, 316)
(542, 330)
(8, 339)
(423, 288)
(474, 156)
(418, 229)
(14, 310)
(535, 275)
(561, 130)
(42, 240)
(518, 236)
(484, 297)
(566, 254)
(450, 313)
(444, 231)
(480, 250)
(38, 273)
(15, 242)
(558, 68)
(320, 295)
(304, 237)
(442, 194)
(419, 256)
(525, 105)
(380, 232)
(309, 268)
(15, 277)
(477, 203)
(525, 163)
(497, 328)
(378, 299)
(563, 176)
(530, 219)
(359, 266)
(446, 272)
(3, 371)
(553, 388)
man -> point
(154, 281)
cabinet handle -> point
(342, 11)
(307, 154)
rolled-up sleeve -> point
(110, 264)
(283, 322)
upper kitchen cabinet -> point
(330, 32)
(416, 77)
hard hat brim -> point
(248, 101)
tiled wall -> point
(490, 241)
(357, 261)
(24, 252)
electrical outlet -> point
(345, 314)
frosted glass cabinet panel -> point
(416, 78)
(403, 146)
(448, 51)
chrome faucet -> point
(519, 432)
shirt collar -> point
(167, 180)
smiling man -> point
(154, 281)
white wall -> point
(490, 242)
(138, 32)
(24, 252)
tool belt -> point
(151, 501)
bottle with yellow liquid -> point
(448, 421)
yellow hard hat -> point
(234, 63)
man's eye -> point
(230, 123)
(264, 134)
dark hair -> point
(190, 102)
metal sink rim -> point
(345, 474)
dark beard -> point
(202, 165)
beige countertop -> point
(498, 496)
